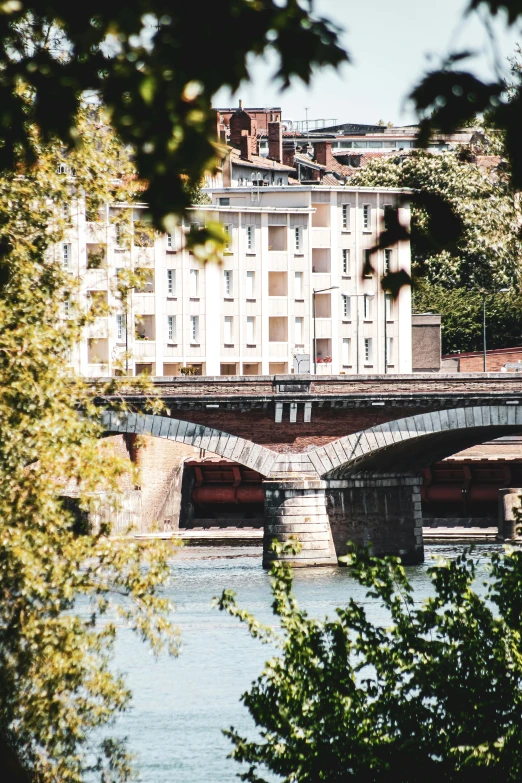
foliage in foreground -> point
(435, 696)
(147, 62)
(485, 253)
(62, 593)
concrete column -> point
(298, 508)
(380, 511)
(509, 505)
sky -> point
(391, 44)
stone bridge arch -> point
(409, 444)
(223, 444)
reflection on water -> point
(181, 704)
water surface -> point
(181, 704)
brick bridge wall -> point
(325, 408)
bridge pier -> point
(298, 508)
(381, 511)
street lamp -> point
(314, 293)
(484, 294)
(370, 295)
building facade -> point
(252, 314)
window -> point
(298, 336)
(67, 308)
(228, 330)
(251, 330)
(388, 304)
(298, 239)
(388, 210)
(346, 217)
(119, 231)
(250, 285)
(387, 261)
(66, 256)
(120, 327)
(346, 351)
(171, 282)
(346, 305)
(298, 285)
(194, 328)
(250, 238)
(389, 350)
(368, 351)
(367, 307)
(227, 280)
(227, 227)
(346, 262)
(367, 271)
(194, 283)
(170, 245)
(224, 202)
(171, 328)
(367, 217)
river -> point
(180, 705)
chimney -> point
(245, 146)
(289, 154)
(275, 141)
(240, 121)
(323, 153)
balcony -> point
(279, 350)
(143, 255)
(323, 328)
(97, 370)
(144, 304)
(144, 349)
(99, 330)
(321, 237)
(95, 279)
(321, 216)
(278, 306)
(277, 262)
(324, 368)
(96, 233)
(321, 260)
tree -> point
(435, 695)
(147, 62)
(462, 316)
(62, 588)
(485, 252)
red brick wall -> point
(495, 360)
(327, 424)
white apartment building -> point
(253, 313)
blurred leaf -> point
(394, 281)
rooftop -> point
(258, 162)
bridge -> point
(341, 456)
